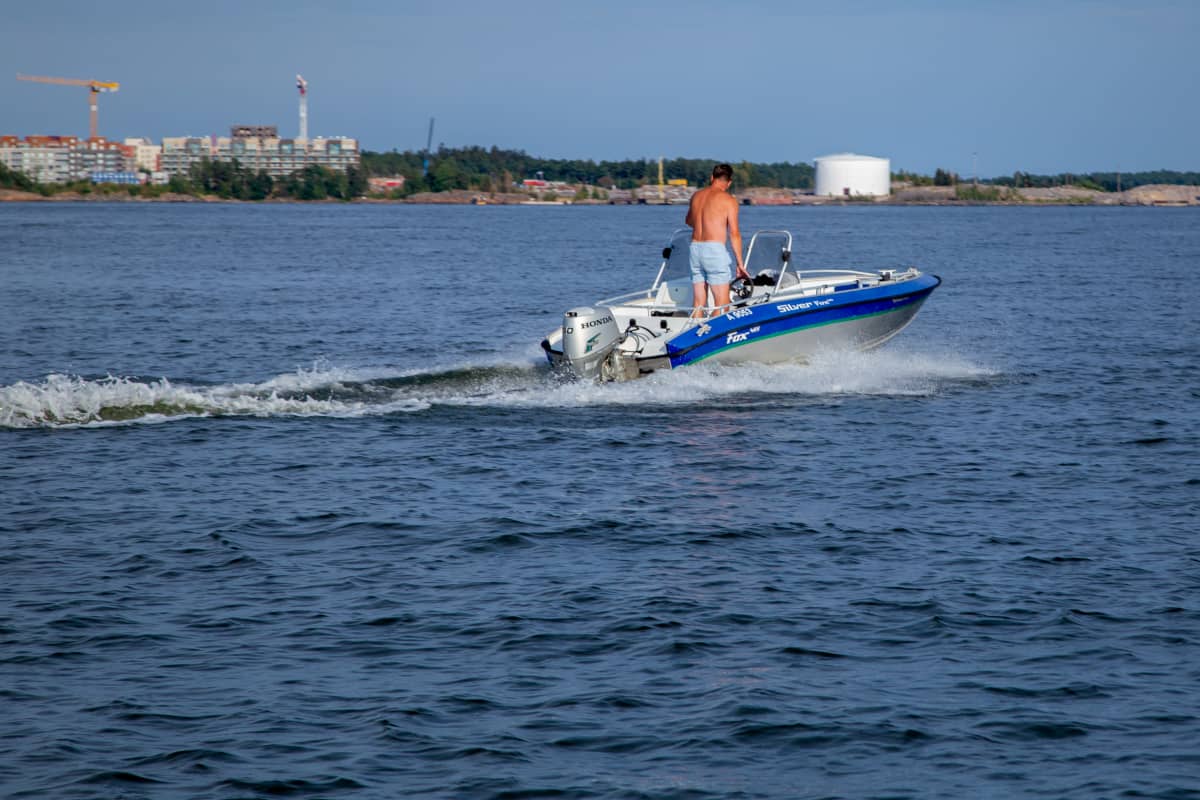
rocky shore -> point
(1150, 195)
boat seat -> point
(672, 293)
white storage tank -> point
(849, 175)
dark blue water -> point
(290, 508)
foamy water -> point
(65, 401)
(328, 390)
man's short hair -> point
(723, 171)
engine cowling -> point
(589, 335)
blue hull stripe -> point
(777, 318)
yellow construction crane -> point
(94, 88)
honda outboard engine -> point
(589, 335)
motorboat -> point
(783, 313)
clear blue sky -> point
(1045, 86)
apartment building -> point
(278, 157)
(179, 153)
(45, 159)
(146, 153)
(60, 159)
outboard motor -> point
(589, 335)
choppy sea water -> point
(291, 508)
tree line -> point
(496, 170)
(230, 180)
(1099, 181)
(941, 177)
(11, 179)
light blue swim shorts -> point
(710, 263)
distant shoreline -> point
(1157, 195)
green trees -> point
(228, 180)
(903, 176)
(485, 168)
(743, 175)
(180, 185)
(1105, 181)
(320, 183)
(447, 175)
(306, 184)
(944, 177)
(260, 186)
(11, 179)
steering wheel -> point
(742, 288)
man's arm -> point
(690, 220)
(735, 238)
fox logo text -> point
(740, 336)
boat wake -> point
(326, 391)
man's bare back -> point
(712, 214)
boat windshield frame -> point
(673, 244)
(785, 256)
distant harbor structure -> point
(853, 175)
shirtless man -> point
(712, 212)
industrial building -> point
(61, 159)
(853, 175)
(279, 158)
(258, 131)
